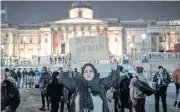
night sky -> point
(23, 12)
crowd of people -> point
(85, 91)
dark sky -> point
(40, 11)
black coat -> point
(106, 83)
(54, 89)
(165, 81)
(125, 91)
(31, 73)
(9, 95)
(19, 74)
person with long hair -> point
(90, 90)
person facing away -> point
(19, 75)
(137, 96)
(125, 92)
(65, 92)
(162, 80)
(90, 91)
(116, 93)
(10, 97)
(43, 81)
(54, 91)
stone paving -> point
(31, 101)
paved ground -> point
(30, 101)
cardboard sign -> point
(89, 48)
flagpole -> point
(6, 13)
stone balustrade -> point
(160, 56)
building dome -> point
(81, 9)
(80, 4)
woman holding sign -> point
(89, 92)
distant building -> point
(125, 37)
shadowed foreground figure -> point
(54, 91)
(10, 97)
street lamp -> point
(143, 36)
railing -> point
(162, 56)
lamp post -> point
(143, 36)
(24, 39)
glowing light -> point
(131, 45)
(143, 36)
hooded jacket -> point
(10, 96)
(104, 85)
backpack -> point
(138, 94)
(143, 87)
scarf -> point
(86, 89)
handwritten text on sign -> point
(89, 48)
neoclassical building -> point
(125, 37)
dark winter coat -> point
(164, 82)
(44, 79)
(31, 73)
(24, 74)
(104, 85)
(19, 74)
(54, 89)
(125, 91)
(10, 96)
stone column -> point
(67, 41)
(157, 44)
(97, 28)
(105, 31)
(52, 41)
(82, 31)
(169, 41)
(74, 29)
(89, 30)
(14, 43)
(59, 41)
(150, 41)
